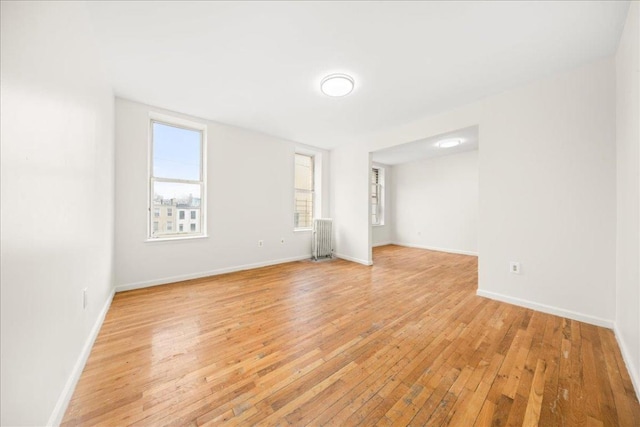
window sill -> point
(171, 239)
(377, 225)
(298, 230)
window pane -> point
(181, 194)
(304, 172)
(303, 214)
(169, 197)
(303, 210)
(176, 152)
(377, 202)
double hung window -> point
(377, 196)
(176, 178)
(304, 192)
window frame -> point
(381, 202)
(151, 179)
(314, 211)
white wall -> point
(250, 198)
(383, 234)
(628, 194)
(57, 204)
(547, 190)
(436, 203)
(350, 208)
(547, 193)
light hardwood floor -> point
(405, 342)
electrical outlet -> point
(84, 299)
(260, 243)
(514, 267)
(282, 240)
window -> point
(181, 228)
(377, 196)
(304, 194)
(193, 214)
(177, 174)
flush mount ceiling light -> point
(337, 85)
(448, 143)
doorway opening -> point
(424, 194)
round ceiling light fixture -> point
(448, 143)
(336, 85)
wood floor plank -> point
(624, 405)
(485, 417)
(551, 355)
(403, 342)
(532, 413)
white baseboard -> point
(433, 248)
(628, 361)
(382, 244)
(67, 392)
(548, 309)
(182, 277)
(352, 259)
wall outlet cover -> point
(514, 267)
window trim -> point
(173, 121)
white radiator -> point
(321, 245)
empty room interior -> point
(320, 213)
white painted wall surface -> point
(57, 204)
(547, 193)
(250, 198)
(383, 234)
(547, 190)
(436, 203)
(628, 193)
(350, 208)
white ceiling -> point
(427, 148)
(258, 65)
